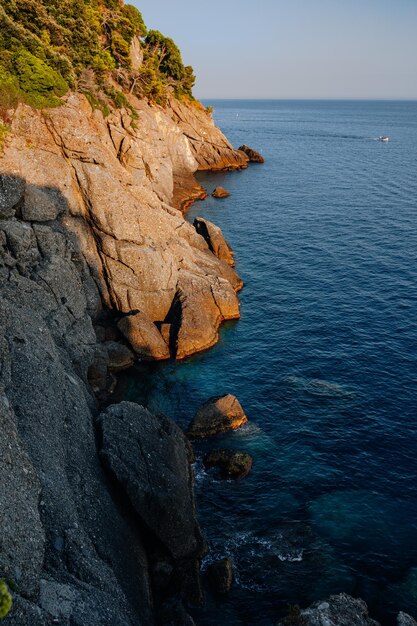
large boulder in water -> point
(232, 463)
(217, 415)
(253, 155)
(148, 457)
(215, 239)
(220, 192)
(220, 576)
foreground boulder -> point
(253, 155)
(220, 576)
(220, 192)
(144, 337)
(217, 415)
(148, 457)
(215, 239)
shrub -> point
(41, 84)
(5, 599)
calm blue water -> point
(323, 360)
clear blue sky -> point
(293, 48)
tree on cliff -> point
(46, 46)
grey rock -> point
(12, 189)
(338, 610)
(119, 356)
(148, 457)
(405, 620)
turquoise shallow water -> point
(323, 360)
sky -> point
(293, 48)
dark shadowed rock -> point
(120, 357)
(220, 192)
(220, 576)
(217, 415)
(12, 189)
(232, 463)
(144, 337)
(253, 155)
(215, 239)
(39, 205)
(405, 620)
(148, 456)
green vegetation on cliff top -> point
(50, 46)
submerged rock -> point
(220, 192)
(144, 337)
(217, 415)
(232, 463)
(220, 576)
(215, 239)
(253, 155)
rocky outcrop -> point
(217, 415)
(215, 239)
(220, 576)
(67, 546)
(339, 610)
(147, 455)
(253, 155)
(210, 147)
(89, 233)
(110, 182)
(232, 463)
(220, 192)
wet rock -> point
(220, 576)
(253, 155)
(405, 620)
(217, 415)
(220, 192)
(120, 357)
(232, 463)
(147, 455)
(144, 337)
(215, 239)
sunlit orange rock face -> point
(122, 186)
(217, 415)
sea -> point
(323, 361)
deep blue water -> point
(323, 360)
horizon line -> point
(318, 99)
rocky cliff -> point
(91, 235)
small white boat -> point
(383, 138)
